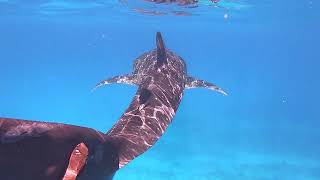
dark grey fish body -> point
(40, 150)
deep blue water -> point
(265, 54)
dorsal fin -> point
(161, 50)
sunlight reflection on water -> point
(134, 7)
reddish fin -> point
(77, 161)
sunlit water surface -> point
(264, 53)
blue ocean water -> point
(265, 54)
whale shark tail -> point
(161, 50)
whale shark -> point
(37, 150)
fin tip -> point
(161, 50)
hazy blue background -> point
(264, 53)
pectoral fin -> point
(124, 79)
(77, 161)
(196, 83)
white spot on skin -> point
(77, 152)
(141, 107)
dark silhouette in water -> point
(31, 150)
(180, 2)
(185, 3)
